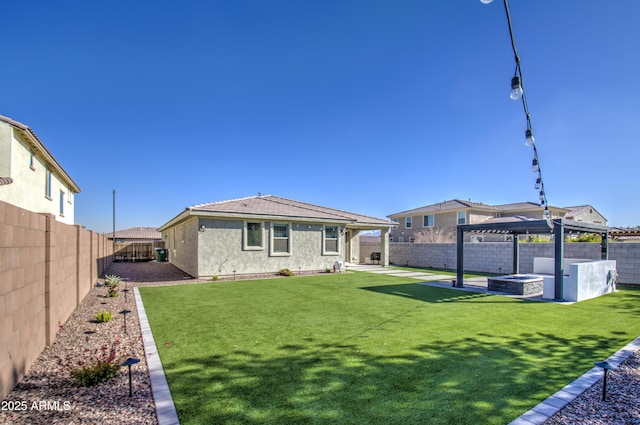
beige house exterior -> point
(585, 214)
(443, 218)
(264, 234)
(30, 177)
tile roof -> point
(39, 146)
(457, 204)
(136, 233)
(5, 181)
(452, 205)
(275, 206)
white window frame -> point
(245, 236)
(408, 222)
(325, 251)
(464, 218)
(272, 240)
(61, 207)
(48, 182)
(433, 220)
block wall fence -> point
(46, 269)
(497, 257)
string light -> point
(518, 92)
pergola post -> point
(384, 247)
(460, 258)
(604, 246)
(558, 235)
(516, 254)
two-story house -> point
(437, 222)
(30, 177)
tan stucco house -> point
(264, 234)
(30, 177)
(444, 216)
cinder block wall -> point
(497, 257)
(46, 270)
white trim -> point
(272, 239)
(245, 237)
(324, 240)
(433, 220)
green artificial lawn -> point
(362, 348)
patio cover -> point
(521, 226)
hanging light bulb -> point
(534, 165)
(538, 183)
(542, 195)
(529, 137)
(516, 88)
(485, 1)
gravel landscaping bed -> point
(49, 395)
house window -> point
(253, 236)
(427, 220)
(331, 239)
(61, 204)
(47, 184)
(407, 222)
(462, 217)
(395, 219)
(280, 240)
(32, 164)
(412, 240)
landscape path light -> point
(607, 367)
(130, 362)
(124, 313)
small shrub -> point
(104, 316)
(285, 272)
(98, 373)
(95, 366)
(327, 270)
(214, 277)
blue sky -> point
(369, 106)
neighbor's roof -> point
(452, 205)
(457, 205)
(574, 211)
(136, 233)
(274, 207)
(39, 147)
(5, 181)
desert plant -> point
(97, 366)
(436, 235)
(112, 282)
(285, 272)
(104, 316)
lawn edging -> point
(556, 402)
(165, 408)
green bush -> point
(95, 366)
(104, 316)
(214, 277)
(97, 373)
(285, 272)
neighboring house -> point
(264, 234)
(437, 222)
(586, 214)
(30, 177)
(136, 244)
